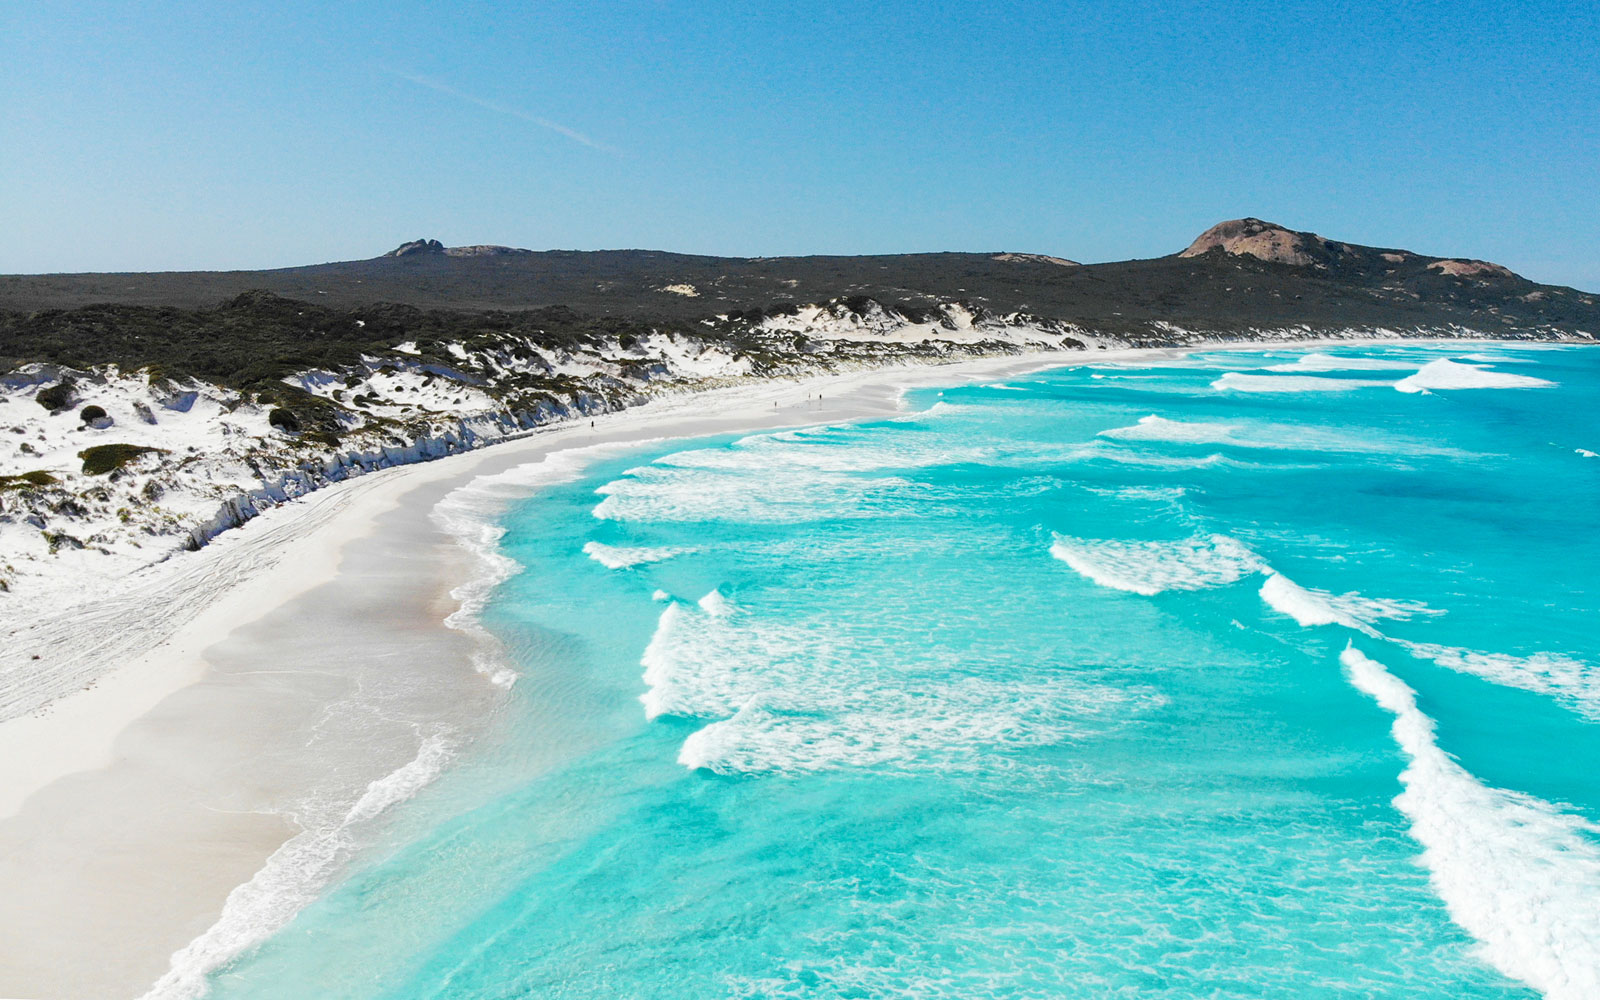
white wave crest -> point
(1265, 436)
(1519, 874)
(291, 878)
(717, 604)
(1099, 451)
(1154, 428)
(1310, 607)
(777, 477)
(1446, 374)
(950, 725)
(625, 557)
(1331, 363)
(1562, 677)
(1241, 382)
(686, 671)
(1153, 567)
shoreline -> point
(134, 813)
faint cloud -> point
(504, 109)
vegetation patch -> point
(104, 458)
(283, 419)
(28, 480)
(253, 341)
(55, 398)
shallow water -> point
(1267, 673)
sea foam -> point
(1330, 363)
(1565, 678)
(1310, 607)
(1521, 875)
(1265, 436)
(471, 513)
(292, 877)
(1242, 382)
(779, 696)
(626, 557)
(1153, 567)
(1446, 374)
(950, 725)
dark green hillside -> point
(257, 337)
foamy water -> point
(1447, 374)
(1241, 674)
(293, 876)
(1153, 567)
(1520, 873)
(1244, 382)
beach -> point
(133, 809)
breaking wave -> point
(1153, 567)
(1241, 382)
(784, 477)
(1446, 374)
(1519, 874)
(1330, 363)
(1264, 436)
(625, 557)
(1564, 678)
(1310, 607)
(785, 697)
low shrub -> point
(20, 482)
(325, 438)
(55, 398)
(104, 458)
(283, 419)
(91, 413)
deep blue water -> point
(1238, 675)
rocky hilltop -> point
(1268, 241)
(426, 246)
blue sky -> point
(151, 135)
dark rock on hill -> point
(416, 246)
(435, 247)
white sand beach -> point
(222, 732)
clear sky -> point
(147, 135)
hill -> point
(1239, 276)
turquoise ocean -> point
(1223, 674)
